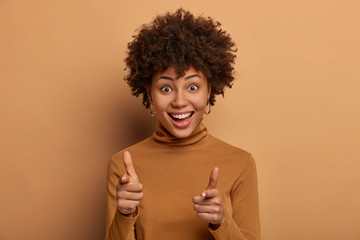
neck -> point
(163, 136)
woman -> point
(181, 183)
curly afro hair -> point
(180, 40)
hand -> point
(208, 205)
(129, 189)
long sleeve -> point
(118, 226)
(244, 222)
(172, 172)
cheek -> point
(200, 102)
(160, 103)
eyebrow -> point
(187, 78)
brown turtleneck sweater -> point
(172, 172)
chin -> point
(182, 133)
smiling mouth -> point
(181, 117)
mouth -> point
(181, 120)
(180, 117)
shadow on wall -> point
(136, 122)
(140, 125)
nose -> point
(180, 100)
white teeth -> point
(181, 116)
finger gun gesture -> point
(208, 205)
(129, 189)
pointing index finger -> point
(213, 178)
(129, 165)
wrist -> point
(129, 214)
(214, 226)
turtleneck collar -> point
(162, 135)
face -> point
(179, 103)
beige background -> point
(65, 109)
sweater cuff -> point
(227, 230)
(127, 219)
(122, 226)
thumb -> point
(213, 178)
(129, 166)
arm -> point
(244, 224)
(118, 226)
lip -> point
(183, 124)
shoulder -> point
(235, 158)
(235, 164)
(143, 145)
(116, 160)
(219, 145)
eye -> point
(165, 89)
(193, 87)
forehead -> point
(171, 74)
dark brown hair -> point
(180, 40)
